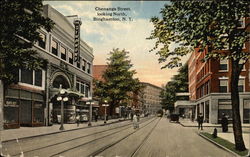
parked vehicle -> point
(174, 117)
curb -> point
(218, 145)
(209, 126)
(56, 132)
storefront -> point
(23, 108)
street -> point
(156, 137)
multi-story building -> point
(33, 100)
(209, 85)
(151, 98)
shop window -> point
(42, 41)
(11, 108)
(70, 57)
(38, 78)
(223, 64)
(225, 107)
(246, 111)
(241, 85)
(54, 47)
(27, 76)
(223, 86)
(63, 53)
(38, 112)
(83, 65)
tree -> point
(20, 21)
(118, 81)
(179, 83)
(210, 26)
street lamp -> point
(105, 112)
(62, 96)
(90, 110)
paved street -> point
(156, 137)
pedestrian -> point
(78, 120)
(96, 116)
(200, 121)
(135, 122)
(224, 123)
(131, 116)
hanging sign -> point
(77, 23)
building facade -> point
(151, 101)
(209, 85)
(33, 100)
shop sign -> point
(77, 24)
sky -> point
(104, 36)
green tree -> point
(207, 25)
(118, 84)
(178, 84)
(20, 21)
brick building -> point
(209, 85)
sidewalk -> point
(24, 132)
(208, 127)
(189, 123)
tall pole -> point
(105, 114)
(1, 115)
(90, 113)
(62, 115)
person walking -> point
(78, 120)
(224, 123)
(135, 121)
(200, 121)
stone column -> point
(1, 114)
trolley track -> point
(95, 140)
(103, 146)
(98, 152)
(120, 128)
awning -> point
(55, 91)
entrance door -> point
(26, 112)
(207, 111)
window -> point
(11, 110)
(38, 78)
(241, 85)
(241, 62)
(78, 86)
(241, 23)
(87, 91)
(42, 41)
(38, 112)
(88, 68)
(78, 64)
(83, 65)
(226, 108)
(223, 86)
(70, 57)
(63, 53)
(32, 77)
(223, 64)
(27, 76)
(82, 88)
(54, 47)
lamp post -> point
(105, 112)
(62, 96)
(90, 110)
